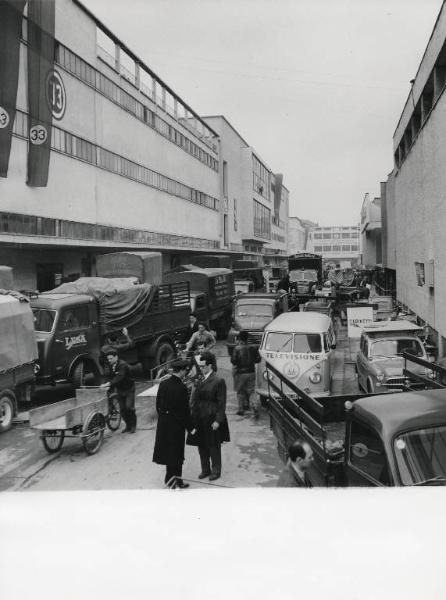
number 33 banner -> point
(41, 77)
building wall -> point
(335, 244)
(296, 236)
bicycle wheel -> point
(93, 435)
(53, 440)
(114, 416)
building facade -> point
(371, 238)
(297, 236)
(337, 245)
(415, 191)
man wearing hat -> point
(172, 406)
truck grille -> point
(255, 337)
(302, 289)
(397, 382)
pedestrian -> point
(295, 473)
(202, 336)
(191, 328)
(123, 384)
(174, 419)
(244, 358)
(112, 340)
(208, 417)
(284, 283)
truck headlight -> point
(380, 376)
(315, 377)
(36, 368)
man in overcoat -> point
(172, 406)
(209, 418)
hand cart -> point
(84, 417)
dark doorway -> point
(48, 276)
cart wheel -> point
(114, 416)
(53, 440)
(93, 433)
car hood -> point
(393, 367)
(252, 323)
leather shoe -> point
(181, 485)
(132, 430)
(214, 476)
(203, 475)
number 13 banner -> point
(11, 14)
(41, 48)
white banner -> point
(357, 318)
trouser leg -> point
(173, 470)
(204, 459)
(215, 454)
(130, 418)
(250, 387)
(123, 409)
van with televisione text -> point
(300, 345)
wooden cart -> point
(84, 417)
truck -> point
(305, 271)
(375, 441)
(76, 319)
(145, 267)
(18, 355)
(207, 261)
(247, 271)
(252, 312)
(211, 293)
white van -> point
(301, 346)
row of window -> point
(278, 238)
(105, 86)
(260, 178)
(73, 230)
(336, 248)
(262, 220)
(335, 236)
(350, 228)
(71, 145)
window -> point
(260, 178)
(262, 220)
(355, 247)
(336, 248)
(367, 453)
(225, 179)
(318, 248)
(421, 455)
(318, 236)
(327, 248)
(75, 318)
(327, 236)
(307, 342)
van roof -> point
(308, 322)
(390, 326)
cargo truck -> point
(305, 271)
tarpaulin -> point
(11, 14)
(121, 304)
(41, 48)
(18, 344)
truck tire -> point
(164, 353)
(84, 373)
(7, 410)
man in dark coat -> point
(208, 416)
(172, 406)
(244, 359)
(123, 384)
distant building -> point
(371, 239)
(297, 235)
(337, 245)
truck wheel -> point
(7, 404)
(164, 353)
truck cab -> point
(252, 312)
(68, 337)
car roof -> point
(402, 411)
(308, 322)
(399, 326)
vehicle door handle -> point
(59, 341)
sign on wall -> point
(358, 317)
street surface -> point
(124, 461)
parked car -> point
(379, 362)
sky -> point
(315, 86)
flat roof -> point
(389, 326)
(308, 322)
(403, 411)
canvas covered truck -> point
(18, 353)
(146, 267)
(211, 290)
(393, 439)
(305, 271)
(76, 319)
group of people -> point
(202, 416)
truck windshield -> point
(299, 342)
(421, 456)
(254, 310)
(305, 275)
(389, 348)
(43, 319)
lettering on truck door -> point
(71, 339)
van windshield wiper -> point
(440, 479)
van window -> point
(307, 342)
(279, 342)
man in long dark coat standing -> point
(208, 416)
(172, 406)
